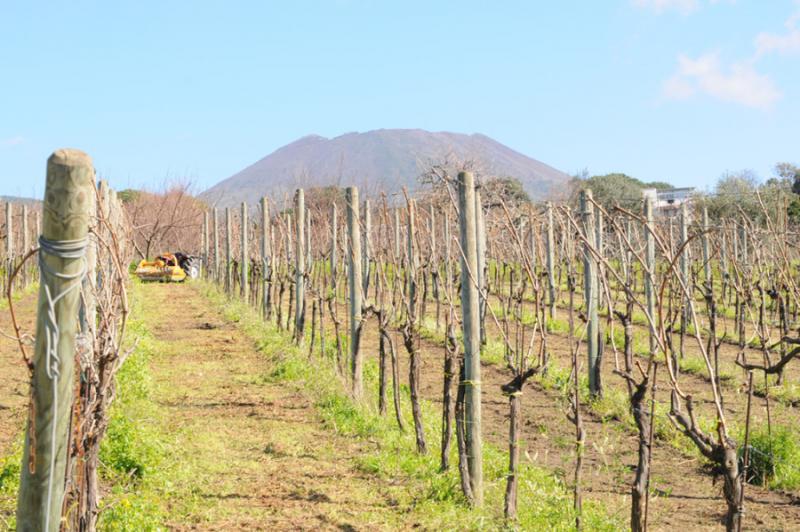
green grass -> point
(131, 460)
(775, 459)
(433, 497)
(132, 454)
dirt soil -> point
(14, 384)
(688, 496)
(258, 456)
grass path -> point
(251, 454)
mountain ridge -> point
(380, 160)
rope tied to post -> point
(65, 250)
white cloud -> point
(660, 6)
(738, 83)
(13, 141)
(681, 6)
(783, 43)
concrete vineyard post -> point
(228, 252)
(300, 264)
(366, 248)
(9, 240)
(245, 256)
(88, 303)
(334, 244)
(551, 273)
(205, 263)
(356, 284)
(706, 250)
(590, 291)
(69, 194)
(470, 305)
(25, 243)
(309, 258)
(649, 276)
(265, 257)
(216, 244)
(411, 270)
(397, 251)
(684, 262)
(480, 239)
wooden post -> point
(245, 254)
(470, 305)
(25, 243)
(69, 194)
(334, 246)
(356, 284)
(590, 292)
(216, 245)
(649, 276)
(366, 248)
(9, 240)
(397, 251)
(448, 271)
(684, 262)
(411, 270)
(551, 273)
(309, 257)
(10, 230)
(228, 252)
(300, 265)
(743, 242)
(205, 244)
(706, 250)
(480, 235)
(266, 258)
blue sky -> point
(676, 90)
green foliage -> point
(128, 195)
(131, 456)
(618, 189)
(775, 459)
(9, 481)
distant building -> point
(667, 201)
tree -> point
(614, 189)
(165, 220)
(732, 192)
(790, 173)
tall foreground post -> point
(69, 192)
(468, 234)
(245, 256)
(300, 264)
(354, 269)
(591, 292)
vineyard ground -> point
(246, 451)
(252, 452)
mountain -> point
(19, 200)
(380, 160)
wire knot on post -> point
(66, 250)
